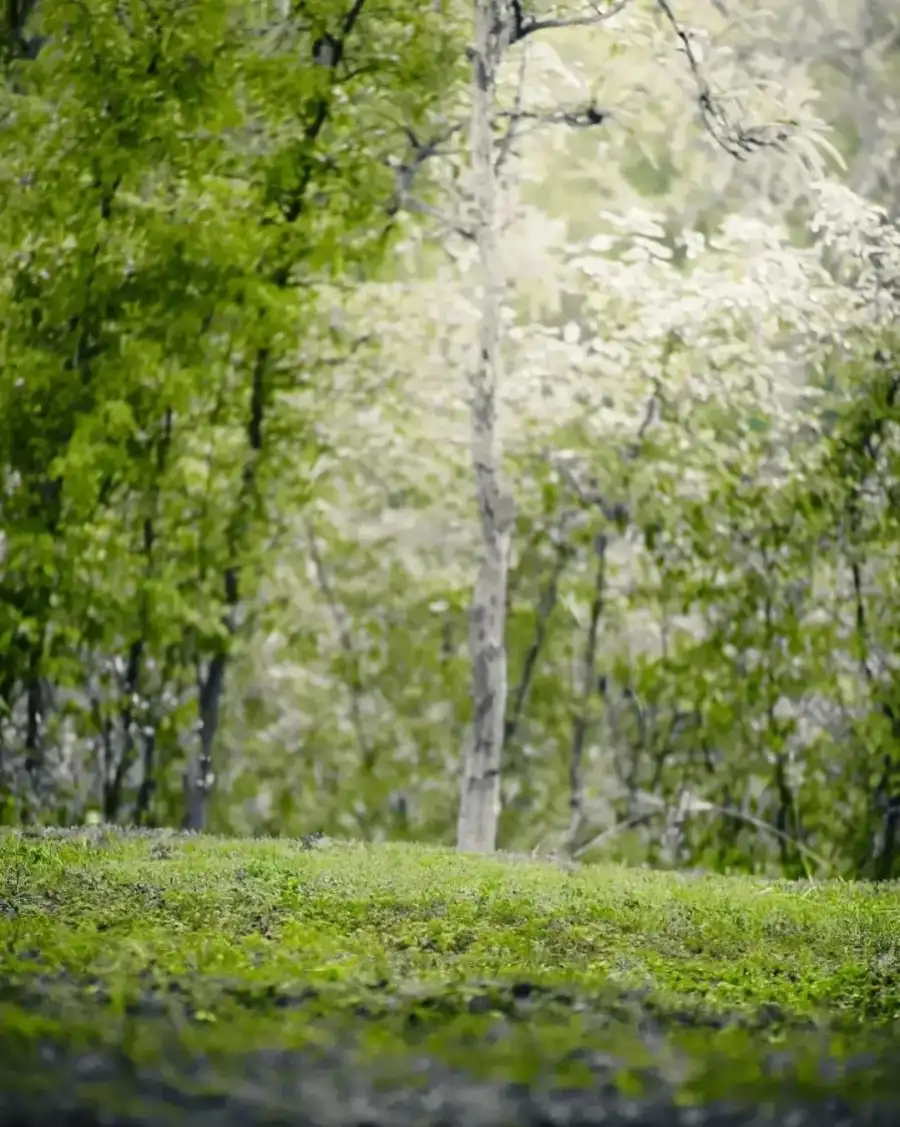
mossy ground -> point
(508, 970)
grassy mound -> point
(169, 947)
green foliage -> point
(233, 441)
(178, 189)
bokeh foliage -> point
(236, 510)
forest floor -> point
(161, 978)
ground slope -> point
(167, 978)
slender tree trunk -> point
(582, 721)
(480, 795)
(199, 777)
(114, 779)
(148, 783)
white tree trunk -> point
(480, 793)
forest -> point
(427, 426)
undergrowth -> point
(508, 968)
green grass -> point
(503, 967)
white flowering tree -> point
(501, 27)
(657, 354)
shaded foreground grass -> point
(144, 970)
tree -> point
(699, 611)
(644, 314)
(480, 794)
(178, 195)
(500, 24)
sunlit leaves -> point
(179, 181)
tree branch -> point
(545, 609)
(736, 140)
(523, 26)
(345, 637)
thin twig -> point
(736, 140)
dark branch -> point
(524, 26)
(736, 140)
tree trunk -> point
(480, 793)
(199, 777)
(114, 780)
(582, 721)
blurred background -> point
(238, 531)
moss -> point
(505, 968)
